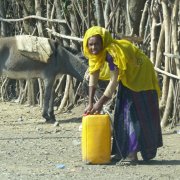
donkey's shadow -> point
(71, 120)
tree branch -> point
(167, 73)
(64, 36)
(33, 17)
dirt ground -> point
(32, 150)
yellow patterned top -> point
(136, 71)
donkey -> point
(15, 65)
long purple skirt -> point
(136, 123)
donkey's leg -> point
(48, 83)
(51, 105)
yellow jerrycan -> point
(96, 139)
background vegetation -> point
(153, 25)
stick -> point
(172, 55)
(166, 73)
(33, 17)
(64, 36)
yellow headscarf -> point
(110, 45)
(136, 70)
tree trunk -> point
(28, 9)
(166, 22)
(38, 8)
(63, 28)
(175, 34)
(74, 19)
(100, 14)
(143, 19)
(169, 105)
(3, 15)
(31, 92)
(107, 12)
(133, 15)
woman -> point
(136, 118)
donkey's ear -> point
(53, 43)
(56, 42)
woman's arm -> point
(93, 80)
(108, 92)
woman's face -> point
(95, 44)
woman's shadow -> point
(160, 162)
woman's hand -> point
(88, 109)
(97, 107)
(93, 109)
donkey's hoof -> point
(50, 121)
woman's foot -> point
(132, 156)
(115, 158)
(131, 159)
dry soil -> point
(33, 150)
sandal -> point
(128, 162)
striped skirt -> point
(136, 123)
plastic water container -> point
(96, 139)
